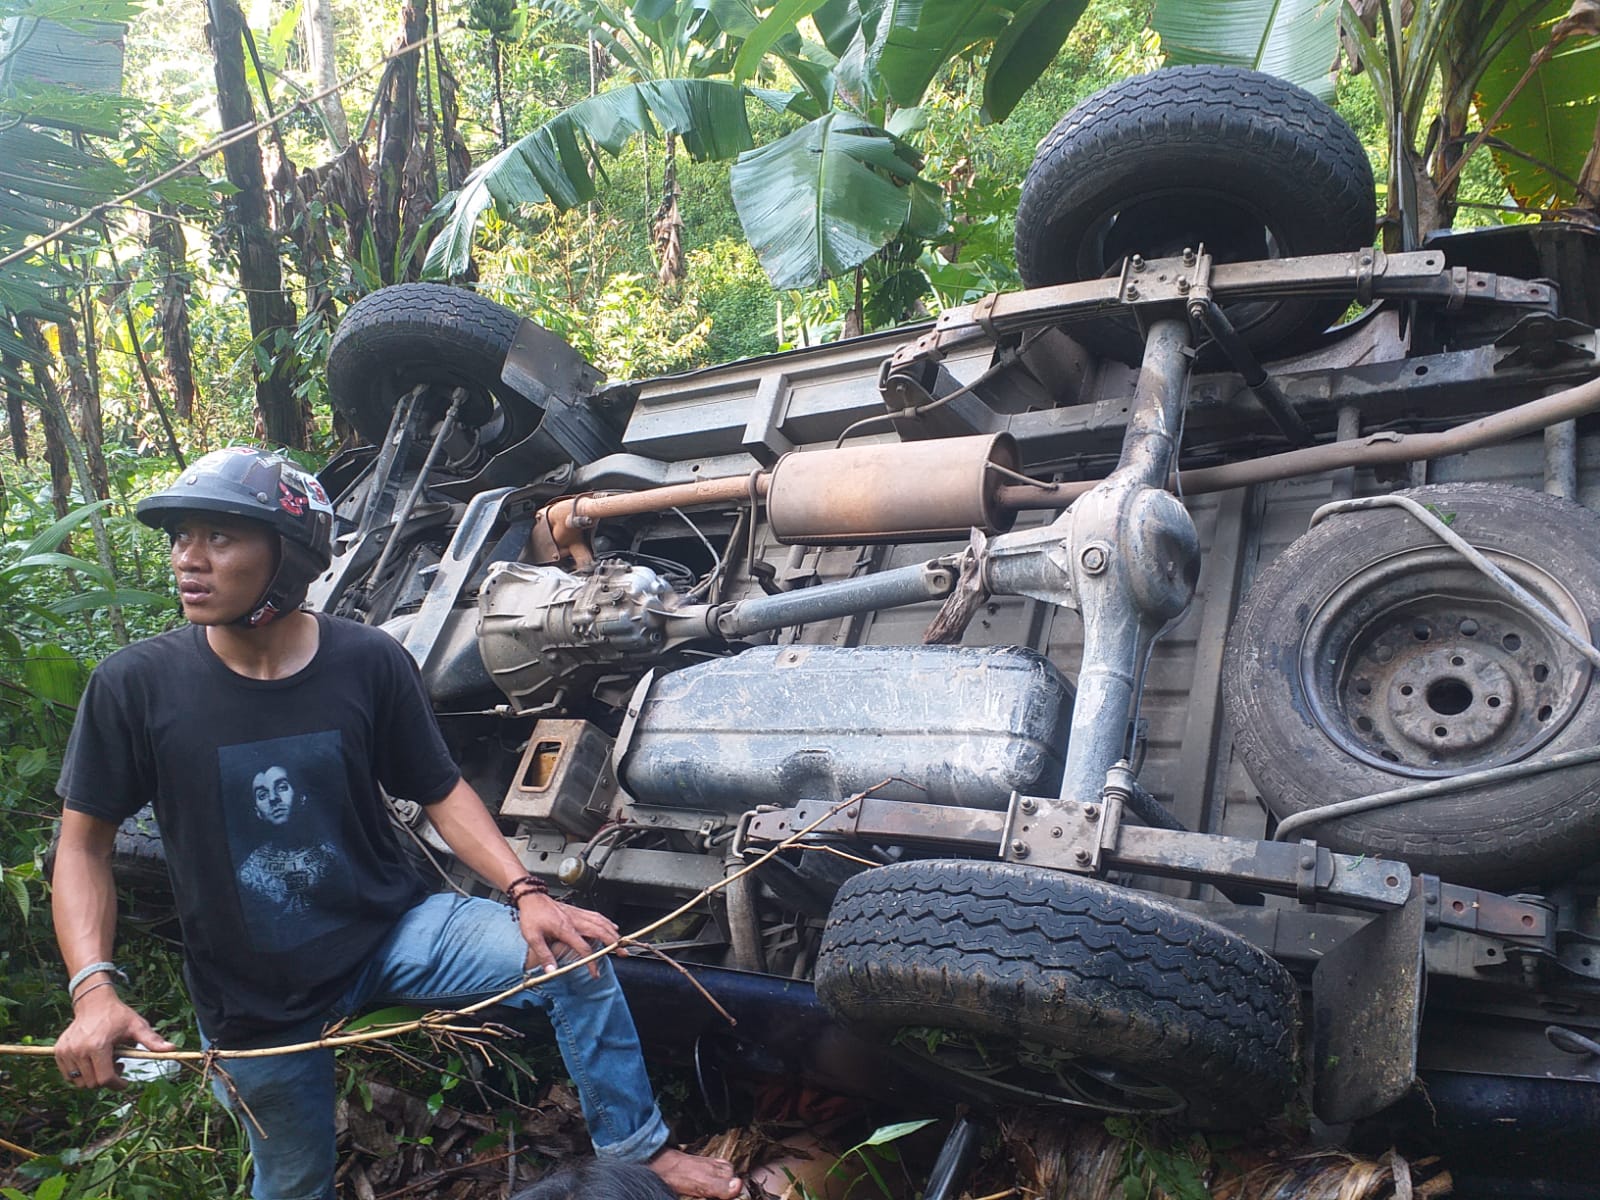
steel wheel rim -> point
(1032, 1073)
(1420, 666)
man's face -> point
(274, 795)
(222, 564)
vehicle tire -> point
(411, 333)
(1369, 655)
(1123, 1002)
(1245, 163)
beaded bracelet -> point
(527, 885)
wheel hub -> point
(1421, 666)
(1447, 701)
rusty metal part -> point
(560, 528)
(1421, 666)
(1454, 907)
(887, 820)
(1086, 838)
(1372, 450)
(1028, 832)
(892, 492)
(1367, 1004)
(564, 778)
(1265, 389)
(956, 613)
(1360, 274)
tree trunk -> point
(666, 227)
(855, 320)
(272, 313)
(84, 402)
(499, 90)
(16, 415)
(1589, 177)
(316, 25)
(172, 309)
(400, 204)
(457, 158)
(65, 455)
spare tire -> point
(1370, 655)
(396, 338)
(1245, 163)
(1048, 986)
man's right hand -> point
(85, 1051)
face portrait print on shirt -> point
(281, 801)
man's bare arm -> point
(83, 906)
(470, 832)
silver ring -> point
(74, 1074)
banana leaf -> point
(1025, 51)
(1549, 126)
(1297, 40)
(824, 199)
(915, 39)
(551, 164)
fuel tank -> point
(937, 724)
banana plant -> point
(822, 199)
(1530, 69)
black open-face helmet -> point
(265, 487)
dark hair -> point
(595, 1179)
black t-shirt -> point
(287, 870)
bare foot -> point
(691, 1175)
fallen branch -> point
(443, 1022)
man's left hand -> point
(547, 924)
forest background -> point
(162, 296)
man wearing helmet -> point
(266, 737)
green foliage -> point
(500, 19)
(819, 201)
(738, 300)
(827, 197)
(553, 163)
(866, 1161)
(567, 280)
(1154, 1167)
(1548, 125)
(1427, 63)
(1297, 40)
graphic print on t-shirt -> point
(281, 801)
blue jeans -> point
(447, 952)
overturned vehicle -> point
(1138, 694)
